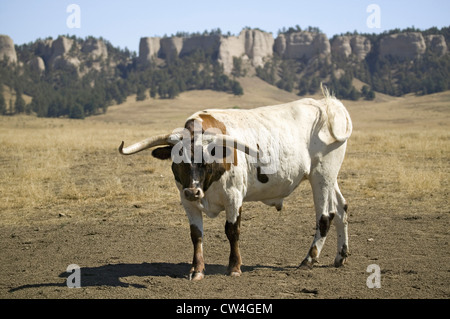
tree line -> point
(395, 76)
(196, 71)
(63, 92)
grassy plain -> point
(68, 197)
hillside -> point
(385, 112)
(75, 78)
(257, 93)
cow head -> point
(200, 153)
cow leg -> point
(324, 204)
(232, 230)
(341, 225)
(198, 265)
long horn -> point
(164, 139)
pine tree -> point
(76, 111)
(153, 91)
(2, 104)
(173, 91)
(237, 67)
(236, 88)
(19, 104)
(140, 94)
(370, 95)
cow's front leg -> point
(198, 264)
(232, 230)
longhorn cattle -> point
(224, 157)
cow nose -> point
(193, 193)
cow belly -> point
(273, 191)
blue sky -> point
(123, 23)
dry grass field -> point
(68, 197)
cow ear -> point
(162, 153)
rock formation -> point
(64, 52)
(436, 43)
(60, 57)
(340, 46)
(170, 47)
(360, 46)
(95, 49)
(407, 45)
(60, 47)
(302, 44)
(347, 45)
(7, 49)
(258, 45)
(209, 44)
(251, 45)
(37, 65)
(231, 47)
(148, 49)
(44, 49)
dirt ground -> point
(121, 221)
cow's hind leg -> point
(325, 202)
(232, 230)
(341, 225)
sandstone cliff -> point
(148, 49)
(436, 43)
(361, 46)
(37, 65)
(64, 52)
(7, 49)
(347, 45)
(209, 44)
(407, 45)
(302, 44)
(60, 54)
(170, 47)
(251, 45)
(340, 46)
(44, 49)
(95, 49)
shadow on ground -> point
(110, 274)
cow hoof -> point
(306, 265)
(235, 274)
(196, 276)
(341, 257)
(339, 262)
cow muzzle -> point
(193, 194)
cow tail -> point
(332, 106)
